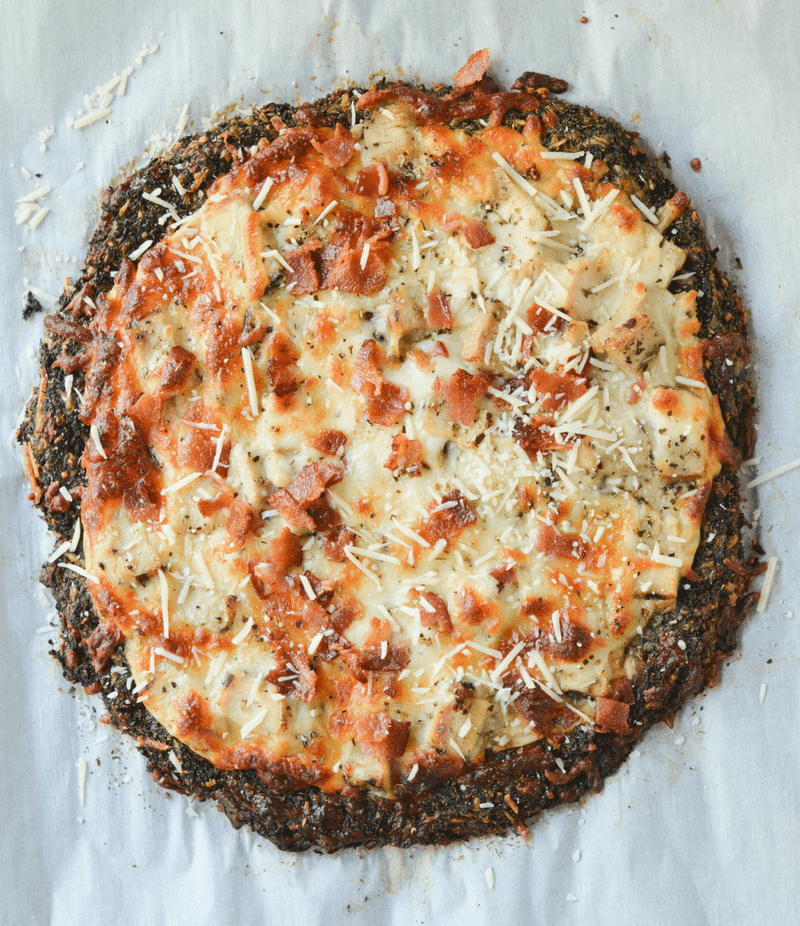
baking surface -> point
(700, 825)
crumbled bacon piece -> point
(385, 401)
(241, 522)
(540, 319)
(476, 233)
(174, 372)
(622, 690)
(192, 715)
(280, 367)
(549, 718)
(366, 377)
(304, 273)
(306, 487)
(294, 676)
(387, 406)
(338, 539)
(449, 523)
(559, 389)
(534, 437)
(382, 737)
(338, 150)
(101, 644)
(335, 263)
(439, 617)
(438, 313)
(372, 660)
(461, 391)
(285, 551)
(613, 715)
(342, 254)
(373, 181)
(473, 70)
(405, 458)
(328, 441)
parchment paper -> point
(701, 825)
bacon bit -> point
(636, 391)
(473, 102)
(471, 607)
(328, 441)
(241, 522)
(54, 500)
(432, 768)
(612, 715)
(340, 725)
(174, 372)
(438, 313)
(556, 390)
(622, 690)
(366, 378)
(439, 618)
(386, 401)
(396, 658)
(387, 406)
(440, 350)
(549, 718)
(127, 471)
(461, 391)
(306, 487)
(337, 151)
(576, 639)
(450, 523)
(342, 254)
(345, 613)
(305, 273)
(534, 438)
(324, 515)
(553, 543)
(285, 551)
(280, 372)
(405, 458)
(382, 737)
(338, 539)
(473, 70)
(209, 506)
(532, 80)
(102, 643)
(504, 575)
(304, 686)
(539, 319)
(192, 716)
(475, 232)
(336, 262)
(373, 182)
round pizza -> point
(391, 441)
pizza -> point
(391, 444)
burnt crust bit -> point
(679, 652)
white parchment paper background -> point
(701, 827)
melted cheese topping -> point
(404, 440)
